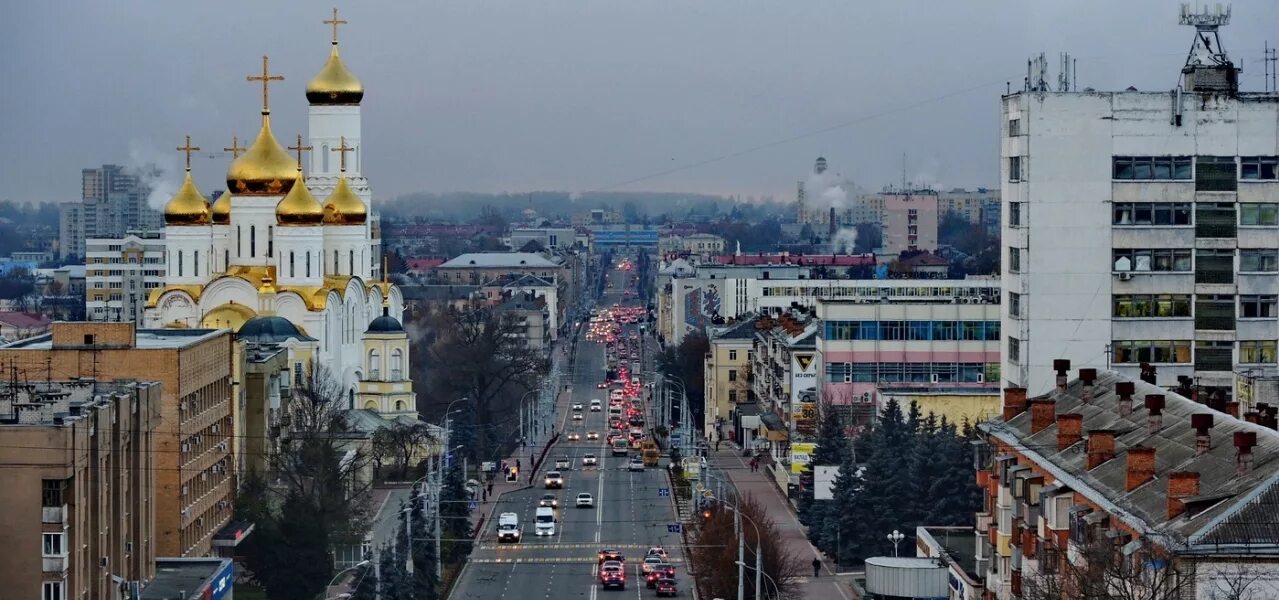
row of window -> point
(1261, 214)
(912, 330)
(921, 372)
(1141, 306)
(1178, 168)
(1179, 351)
(1251, 260)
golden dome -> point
(188, 207)
(334, 84)
(299, 207)
(220, 211)
(265, 169)
(343, 207)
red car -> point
(666, 587)
(662, 571)
(612, 574)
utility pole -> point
(759, 568)
(439, 480)
(741, 555)
(408, 537)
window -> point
(335, 262)
(1151, 168)
(239, 242)
(350, 259)
(732, 355)
(53, 590)
(54, 544)
(1258, 307)
(839, 373)
(397, 365)
(1215, 174)
(1014, 169)
(1258, 260)
(181, 263)
(53, 492)
(253, 240)
(1215, 219)
(1014, 214)
(270, 241)
(1151, 213)
(1014, 304)
(1259, 167)
(1014, 127)
(1014, 350)
(1145, 306)
(1214, 265)
(732, 395)
(195, 262)
(1265, 214)
(1158, 259)
(1215, 312)
(1214, 355)
(308, 264)
(1154, 351)
(375, 365)
(732, 374)
(944, 331)
(1254, 352)
(292, 273)
(1014, 260)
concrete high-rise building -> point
(191, 452)
(78, 503)
(1141, 227)
(910, 222)
(113, 201)
(120, 273)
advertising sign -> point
(800, 455)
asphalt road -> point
(629, 515)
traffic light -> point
(706, 513)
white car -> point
(589, 460)
(577, 406)
(650, 561)
(596, 406)
(554, 480)
(636, 465)
(563, 462)
(585, 501)
(577, 416)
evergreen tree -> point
(423, 583)
(955, 497)
(913, 421)
(927, 463)
(455, 516)
(308, 567)
(364, 582)
(832, 447)
(395, 585)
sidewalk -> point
(760, 485)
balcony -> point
(54, 564)
(56, 515)
(1214, 276)
(1214, 230)
(1213, 359)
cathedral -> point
(294, 253)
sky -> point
(710, 96)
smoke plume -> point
(824, 191)
(844, 241)
(158, 172)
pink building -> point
(910, 221)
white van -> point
(544, 521)
(508, 527)
(596, 405)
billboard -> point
(803, 374)
(701, 304)
(801, 453)
(824, 482)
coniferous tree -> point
(455, 516)
(308, 567)
(842, 520)
(832, 447)
(954, 492)
(423, 583)
(394, 580)
(364, 582)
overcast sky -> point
(719, 96)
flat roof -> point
(146, 339)
(186, 578)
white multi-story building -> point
(120, 273)
(1142, 227)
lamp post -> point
(439, 488)
(773, 582)
(363, 563)
(741, 551)
(896, 538)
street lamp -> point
(358, 565)
(896, 538)
(776, 591)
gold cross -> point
(266, 78)
(335, 22)
(343, 149)
(188, 149)
(236, 149)
(300, 148)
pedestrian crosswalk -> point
(560, 546)
(546, 560)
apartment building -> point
(1108, 483)
(693, 243)
(784, 365)
(113, 201)
(727, 382)
(910, 222)
(120, 273)
(940, 352)
(77, 507)
(193, 467)
(1142, 227)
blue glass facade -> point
(624, 237)
(912, 330)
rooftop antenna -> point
(1207, 67)
(1037, 74)
(1270, 63)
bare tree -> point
(714, 553)
(401, 442)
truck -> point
(651, 453)
(620, 447)
(544, 521)
(508, 527)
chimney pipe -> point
(1181, 485)
(1069, 430)
(1088, 376)
(1232, 409)
(1125, 390)
(1014, 402)
(1148, 373)
(1155, 406)
(1140, 467)
(1101, 447)
(1062, 367)
(1202, 423)
(1244, 441)
(1272, 417)
(1042, 413)
(1252, 417)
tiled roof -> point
(807, 260)
(1233, 502)
(23, 320)
(741, 330)
(516, 260)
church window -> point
(270, 240)
(399, 405)
(325, 154)
(292, 273)
(351, 260)
(239, 241)
(336, 270)
(226, 260)
(308, 264)
(397, 365)
(195, 262)
(375, 366)
(180, 263)
(253, 240)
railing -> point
(1215, 323)
(1215, 230)
(1217, 359)
(1214, 276)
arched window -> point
(226, 260)
(397, 365)
(351, 259)
(270, 240)
(195, 262)
(375, 365)
(308, 263)
(253, 240)
(399, 405)
(336, 270)
(180, 263)
(292, 273)
(239, 241)
(324, 153)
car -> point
(650, 562)
(554, 480)
(612, 574)
(577, 406)
(602, 385)
(592, 435)
(637, 464)
(563, 462)
(589, 460)
(609, 554)
(577, 416)
(659, 571)
(666, 587)
(596, 406)
(574, 436)
(585, 501)
(548, 500)
(659, 552)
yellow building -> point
(956, 406)
(727, 375)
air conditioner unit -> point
(933, 378)
(866, 397)
(128, 546)
(981, 378)
(102, 562)
(1125, 276)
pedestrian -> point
(717, 444)
(490, 487)
(484, 495)
(518, 466)
(817, 567)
